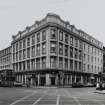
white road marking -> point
(58, 99)
(75, 98)
(15, 102)
(40, 97)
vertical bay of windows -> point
(43, 48)
(43, 35)
(60, 35)
(80, 55)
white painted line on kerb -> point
(58, 99)
(15, 102)
(75, 98)
(40, 97)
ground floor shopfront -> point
(55, 78)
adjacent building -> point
(6, 58)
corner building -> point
(53, 52)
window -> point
(66, 50)
(71, 40)
(38, 63)
(33, 39)
(76, 64)
(20, 45)
(60, 62)
(24, 66)
(43, 35)
(28, 41)
(80, 66)
(71, 64)
(80, 44)
(76, 42)
(33, 51)
(71, 52)
(28, 65)
(43, 62)
(53, 62)
(53, 34)
(20, 55)
(53, 47)
(13, 48)
(60, 49)
(24, 43)
(28, 53)
(33, 64)
(66, 38)
(16, 46)
(88, 58)
(24, 54)
(38, 37)
(80, 55)
(13, 57)
(60, 35)
(66, 63)
(76, 54)
(43, 48)
(17, 56)
(38, 50)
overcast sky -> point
(15, 15)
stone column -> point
(48, 82)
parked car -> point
(90, 85)
(18, 84)
(77, 84)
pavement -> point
(50, 96)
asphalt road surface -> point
(50, 96)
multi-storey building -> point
(52, 51)
(6, 59)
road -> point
(50, 96)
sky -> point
(15, 15)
